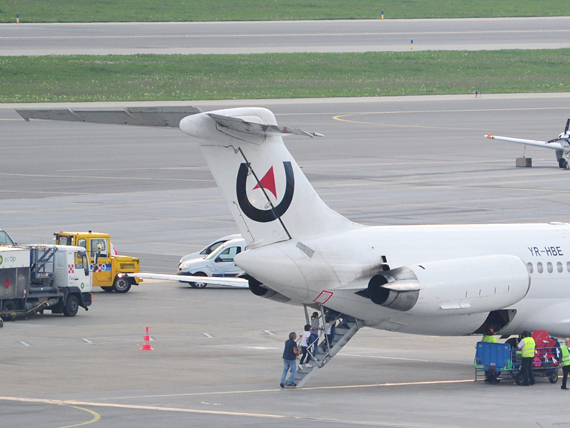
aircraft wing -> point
(553, 146)
(139, 116)
(210, 280)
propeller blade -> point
(567, 125)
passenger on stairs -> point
(314, 338)
(329, 332)
(290, 354)
(306, 358)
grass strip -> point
(268, 10)
(302, 75)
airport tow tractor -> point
(105, 266)
(503, 361)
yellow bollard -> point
(17, 18)
(382, 15)
(412, 44)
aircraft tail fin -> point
(268, 194)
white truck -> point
(34, 278)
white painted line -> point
(209, 336)
(25, 343)
(88, 341)
(151, 339)
(269, 332)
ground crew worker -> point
(565, 362)
(488, 337)
(526, 346)
(490, 377)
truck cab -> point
(104, 265)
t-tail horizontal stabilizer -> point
(139, 116)
(241, 125)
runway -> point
(284, 36)
(217, 352)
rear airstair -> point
(343, 333)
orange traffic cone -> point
(146, 346)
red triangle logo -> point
(268, 182)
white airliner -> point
(561, 144)
(437, 280)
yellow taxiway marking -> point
(96, 416)
(75, 404)
(263, 391)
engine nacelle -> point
(444, 287)
(261, 290)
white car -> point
(220, 262)
(5, 239)
(208, 249)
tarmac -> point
(216, 358)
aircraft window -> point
(549, 267)
(559, 267)
(529, 267)
(539, 267)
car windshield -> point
(211, 248)
(5, 239)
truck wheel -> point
(198, 284)
(9, 306)
(108, 289)
(121, 285)
(71, 306)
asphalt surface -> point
(217, 352)
(284, 36)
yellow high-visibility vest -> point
(489, 339)
(565, 355)
(528, 348)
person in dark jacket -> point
(290, 354)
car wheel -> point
(198, 284)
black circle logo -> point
(264, 216)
